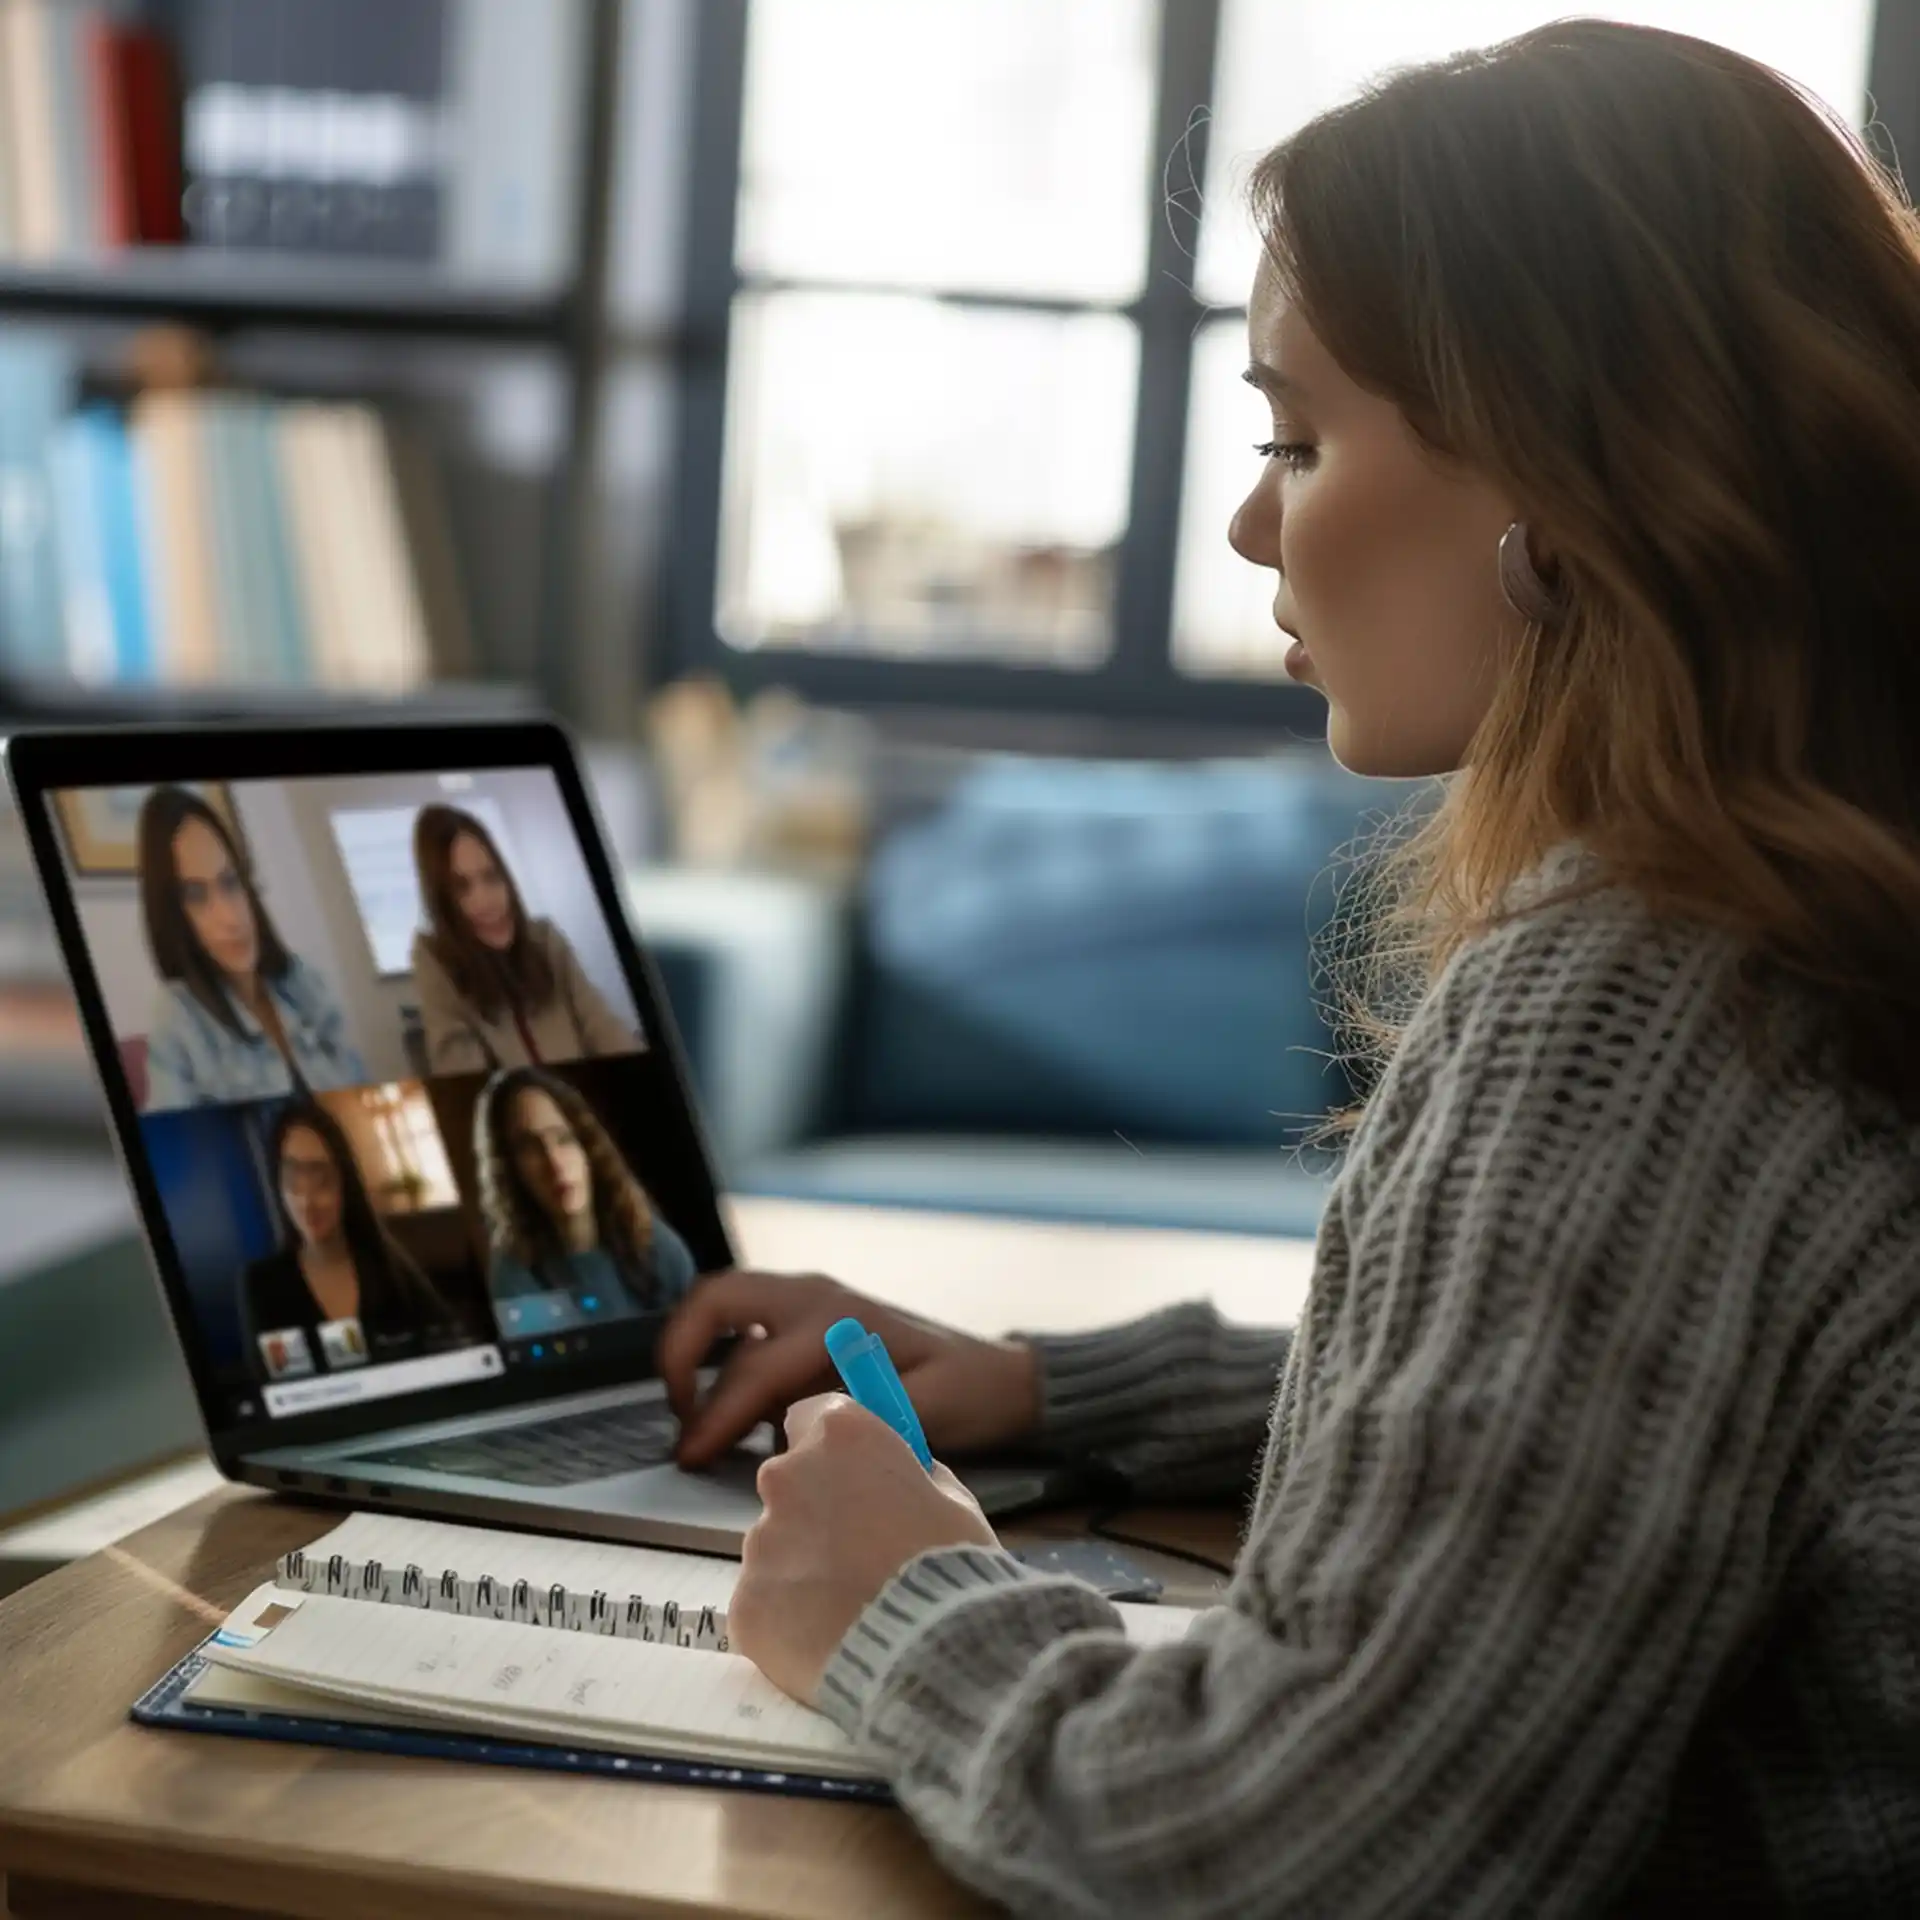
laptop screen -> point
(398, 1104)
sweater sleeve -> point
(1518, 1518)
(1175, 1404)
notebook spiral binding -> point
(488, 1598)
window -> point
(913, 470)
(973, 428)
(986, 146)
(410, 1171)
(1279, 65)
(907, 477)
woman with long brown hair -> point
(1580, 1567)
(238, 1015)
(498, 987)
(574, 1237)
(339, 1291)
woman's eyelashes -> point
(1297, 456)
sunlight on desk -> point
(991, 1275)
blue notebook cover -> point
(164, 1705)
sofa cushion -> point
(754, 967)
(1098, 948)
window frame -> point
(1139, 680)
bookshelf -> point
(71, 705)
(494, 348)
(223, 291)
(490, 342)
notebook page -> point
(1153, 1625)
(478, 1569)
(252, 1693)
(635, 1695)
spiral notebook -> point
(414, 1636)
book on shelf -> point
(165, 426)
(77, 137)
(148, 96)
(108, 126)
(199, 538)
(89, 131)
(317, 128)
(9, 116)
(100, 547)
(516, 71)
(38, 384)
(436, 132)
(27, 127)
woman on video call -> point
(238, 1016)
(564, 1213)
(497, 989)
(1580, 1567)
(335, 1261)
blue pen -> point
(867, 1369)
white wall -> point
(116, 938)
(372, 1004)
(295, 890)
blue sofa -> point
(1069, 989)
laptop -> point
(404, 1113)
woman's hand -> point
(971, 1395)
(847, 1506)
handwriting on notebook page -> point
(500, 1673)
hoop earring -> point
(1520, 582)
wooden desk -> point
(987, 1274)
(98, 1817)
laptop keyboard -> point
(551, 1453)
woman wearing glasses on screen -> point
(575, 1238)
(339, 1291)
(238, 1016)
(497, 987)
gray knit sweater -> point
(1583, 1570)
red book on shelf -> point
(151, 100)
(107, 114)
